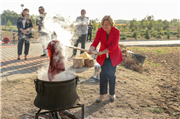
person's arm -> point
(30, 25)
(103, 52)
(115, 42)
(19, 25)
(78, 21)
(39, 21)
(95, 42)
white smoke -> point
(63, 76)
(64, 28)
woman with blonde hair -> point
(109, 55)
(24, 25)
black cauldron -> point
(57, 95)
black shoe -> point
(43, 55)
(25, 58)
(18, 58)
(98, 101)
(112, 99)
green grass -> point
(152, 64)
(160, 51)
(157, 51)
(156, 110)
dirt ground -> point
(152, 94)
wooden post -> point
(86, 61)
(77, 62)
(91, 62)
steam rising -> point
(63, 76)
(64, 28)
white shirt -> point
(82, 27)
(24, 23)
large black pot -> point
(56, 95)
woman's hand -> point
(23, 31)
(99, 53)
(27, 29)
(91, 49)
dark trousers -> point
(82, 40)
(107, 72)
(20, 46)
(89, 35)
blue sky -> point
(118, 9)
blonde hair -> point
(108, 18)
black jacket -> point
(28, 24)
(90, 27)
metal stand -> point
(14, 36)
(78, 105)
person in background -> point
(109, 55)
(90, 28)
(45, 37)
(81, 30)
(24, 25)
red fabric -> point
(56, 64)
(112, 44)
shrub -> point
(15, 30)
(147, 35)
(9, 23)
(178, 36)
(168, 35)
(132, 29)
(154, 34)
(135, 35)
(123, 37)
(159, 36)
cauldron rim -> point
(59, 81)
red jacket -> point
(112, 44)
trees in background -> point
(9, 15)
(146, 27)
(149, 23)
(175, 22)
(12, 17)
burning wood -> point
(56, 64)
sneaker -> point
(18, 58)
(43, 55)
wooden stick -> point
(81, 49)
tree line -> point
(147, 27)
(10, 18)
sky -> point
(118, 9)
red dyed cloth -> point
(56, 64)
